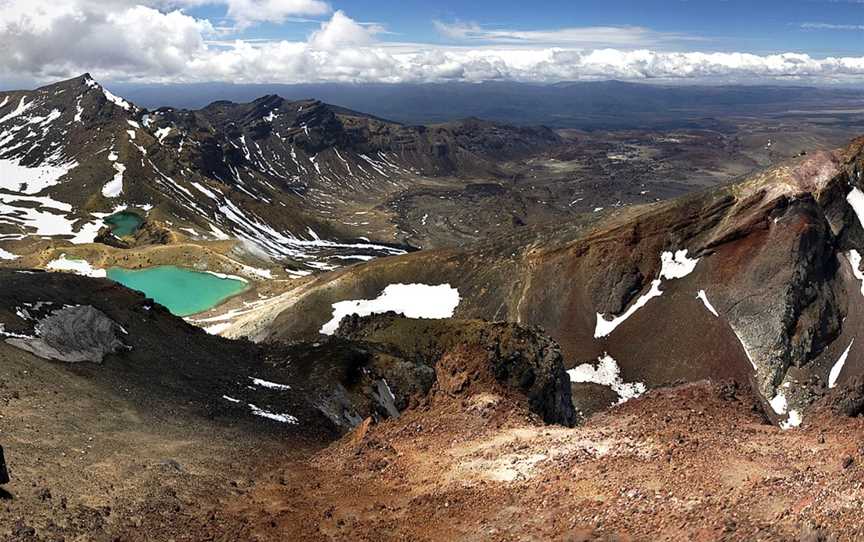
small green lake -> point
(124, 223)
(181, 291)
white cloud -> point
(830, 26)
(247, 12)
(588, 36)
(118, 41)
(47, 38)
(342, 31)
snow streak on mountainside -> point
(283, 177)
(757, 281)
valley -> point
(291, 320)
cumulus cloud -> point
(342, 31)
(47, 38)
(117, 40)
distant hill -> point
(586, 105)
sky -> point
(398, 41)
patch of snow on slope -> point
(411, 300)
(162, 133)
(607, 373)
(854, 258)
(746, 350)
(269, 385)
(779, 404)
(23, 106)
(117, 100)
(794, 420)
(80, 267)
(704, 297)
(278, 244)
(47, 218)
(114, 187)
(6, 255)
(856, 199)
(283, 418)
(672, 266)
(838, 366)
(78, 110)
(31, 180)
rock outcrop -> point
(4, 472)
(757, 281)
(471, 356)
(73, 334)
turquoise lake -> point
(181, 291)
(124, 223)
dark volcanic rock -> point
(848, 400)
(522, 360)
(4, 472)
(74, 334)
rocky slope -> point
(93, 375)
(279, 176)
(756, 280)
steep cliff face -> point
(757, 281)
(471, 357)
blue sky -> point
(816, 27)
(396, 41)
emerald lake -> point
(124, 223)
(181, 291)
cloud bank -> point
(120, 40)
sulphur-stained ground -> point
(693, 462)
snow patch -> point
(672, 266)
(746, 350)
(80, 267)
(411, 300)
(838, 366)
(856, 199)
(854, 258)
(607, 373)
(778, 403)
(114, 187)
(23, 106)
(117, 100)
(283, 418)
(162, 133)
(794, 420)
(31, 180)
(704, 297)
(269, 385)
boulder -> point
(4, 472)
(73, 334)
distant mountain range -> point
(283, 176)
(585, 105)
